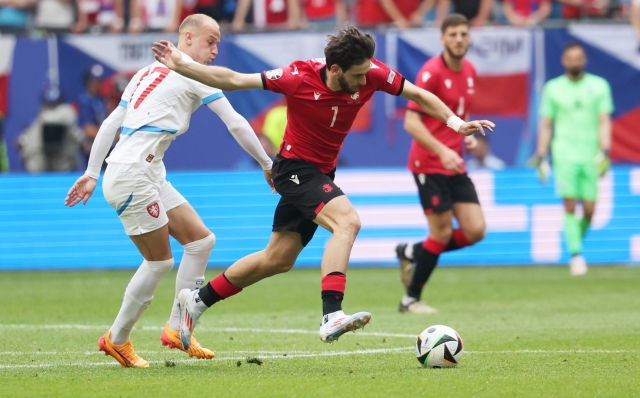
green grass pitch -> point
(528, 332)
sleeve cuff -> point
(123, 103)
(212, 97)
(401, 87)
(264, 81)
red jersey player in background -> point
(323, 99)
(435, 159)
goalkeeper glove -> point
(603, 162)
(542, 166)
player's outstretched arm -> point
(214, 76)
(433, 106)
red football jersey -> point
(455, 89)
(319, 119)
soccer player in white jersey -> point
(156, 107)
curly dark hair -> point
(349, 46)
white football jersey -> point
(159, 105)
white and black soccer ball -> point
(439, 346)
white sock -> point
(137, 297)
(408, 251)
(191, 272)
(406, 300)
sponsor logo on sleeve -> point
(274, 74)
(392, 75)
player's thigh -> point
(587, 181)
(466, 206)
(288, 218)
(304, 186)
(185, 225)
(566, 176)
(434, 193)
(135, 198)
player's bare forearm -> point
(219, 77)
(605, 131)
(214, 76)
(428, 102)
(416, 129)
(544, 136)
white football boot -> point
(578, 265)
(191, 308)
(337, 323)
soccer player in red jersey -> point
(323, 99)
(435, 159)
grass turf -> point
(527, 332)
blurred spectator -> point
(91, 106)
(634, 15)
(4, 158)
(573, 9)
(402, 13)
(14, 15)
(325, 13)
(477, 12)
(483, 158)
(59, 16)
(526, 12)
(155, 15)
(100, 15)
(223, 11)
(273, 130)
(268, 14)
(52, 142)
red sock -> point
(459, 238)
(333, 286)
(434, 246)
(217, 289)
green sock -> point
(584, 226)
(572, 233)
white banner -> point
(128, 53)
(494, 51)
(7, 44)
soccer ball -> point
(439, 346)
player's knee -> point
(204, 245)
(279, 265)
(442, 234)
(161, 267)
(350, 225)
(476, 234)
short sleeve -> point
(385, 79)
(282, 80)
(206, 93)
(548, 108)
(605, 103)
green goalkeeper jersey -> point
(575, 108)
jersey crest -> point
(274, 74)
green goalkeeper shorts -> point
(576, 180)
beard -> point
(345, 86)
(575, 72)
(454, 55)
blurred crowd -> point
(41, 17)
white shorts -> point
(141, 203)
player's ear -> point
(334, 69)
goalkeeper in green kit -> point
(577, 107)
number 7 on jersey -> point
(335, 114)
